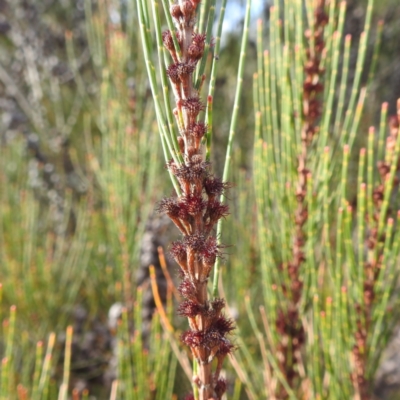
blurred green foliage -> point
(81, 169)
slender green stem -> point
(203, 62)
(217, 46)
(232, 129)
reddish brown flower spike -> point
(196, 242)
(178, 251)
(193, 338)
(225, 348)
(199, 39)
(176, 11)
(184, 70)
(167, 40)
(187, 9)
(198, 130)
(210, 251)
(187, 290)
(168, 206)
(214, 186)
(220, 388)
(195, 2)
(189, 309)
(173, 73)
(181, 144)
(321, 16)
(217, 305)
(223, 325)
(196, 209)
(393, 122)
(217, 210)
(191, 172)
(193, 105)
(196, 48)
(194, 204)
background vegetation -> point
(81, 171)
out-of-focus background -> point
(81, 171)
